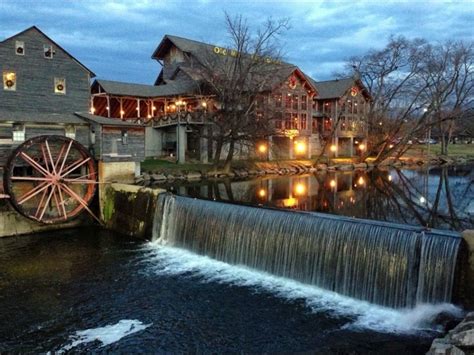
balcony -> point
(171, 119)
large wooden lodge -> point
(45, 90)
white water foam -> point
(166, 260)
(106, 335)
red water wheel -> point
(51, 179)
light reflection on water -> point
(432, 197)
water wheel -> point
(51, 179)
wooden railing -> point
(179, 117)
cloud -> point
(116, 38)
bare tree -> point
(241, 78)
(415, 86)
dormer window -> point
(9, 80)
(48, 51)
(60, 86)
(20, 48)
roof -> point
(184, 44)
(105, 121)
(55, 43)
(40, 117)
(333, 88)
(171, 88)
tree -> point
(415, 86)
(241, 78)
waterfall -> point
(387, 264)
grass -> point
(454, 150)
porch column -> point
(352, 147)
(203, 146)
(308, 147)
(270, 148)
(181, 138)
(336, 143)
(291, 152)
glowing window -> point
(9, 81)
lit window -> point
(18, 133)
(60, 86)
(9, 81)
(19, 48)
(48, 51)
(70, 132)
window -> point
(288, 101)
(9, 80)
(304, 102)
(295, 121)
(70, 132)
(19, 48)
(303, 121)
(18, 133)
(278, 120)
(60, 86)
(288, 120)
(124, 137)
(278, 98)
(48, 51)
(295, 102)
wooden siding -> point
(35, 77)
(113, 149)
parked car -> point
(427, 141)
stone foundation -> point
(128, 209)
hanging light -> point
(300, 189)
(333, 148)
(332, 183)
(362, 146)
(262, 192)
(262, 148)
(300, 147)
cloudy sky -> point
(115, 39)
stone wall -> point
(129, 209)
(12, 224)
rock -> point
(312, 169)
(261, 172)
(170, 177)
(252, 172)
(469, 317)
(139, 179)
(345, 167)
(322, 166)
(360, 166)
(462, 327)
(146, 177)
(439, 346)
(331, 168)
(464, 338)
(158, 177)
(193, 176)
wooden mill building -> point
(46, 91)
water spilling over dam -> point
(387, 264)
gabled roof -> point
(171, 88)
(184, 44)
(34, 28)
(337, 88)
(105, 121)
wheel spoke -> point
(47, 202)
(81, 181)
(40, 204)
(61, 151)
(33, 192)
(50, 156)
(68, 190)
(75, 165)
(45, 159)
(34, 164)
(65, 157)
(28, 178)
(62, 201)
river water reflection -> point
(440, 197)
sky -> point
(115, 39)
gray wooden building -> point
(46, 91)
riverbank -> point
(459, 340)
(163, 170)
